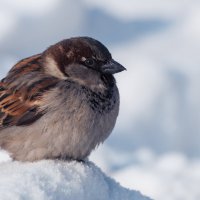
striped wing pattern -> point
(19, 103)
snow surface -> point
(58, 180)
(171, 176)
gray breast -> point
(85, 118)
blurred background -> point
(154, 147)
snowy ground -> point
(155, 145)
(58, 180)
(168, 177)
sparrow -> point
(59, 104)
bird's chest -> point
(83, 121)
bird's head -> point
(80, 58)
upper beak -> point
(112, 67)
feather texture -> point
(21, 93)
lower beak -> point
(112, 67)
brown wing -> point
(15, 110)
(21, 93)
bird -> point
(61, 103)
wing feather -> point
(20, 103)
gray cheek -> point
(76, 70)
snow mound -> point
(50, 179)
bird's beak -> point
(112, 67)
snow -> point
(168, 177)
(48, 179)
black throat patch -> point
(102, 102)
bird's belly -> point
(78, 135)
(58, 135)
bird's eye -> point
(90, 62)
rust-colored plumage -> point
(19, 102)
